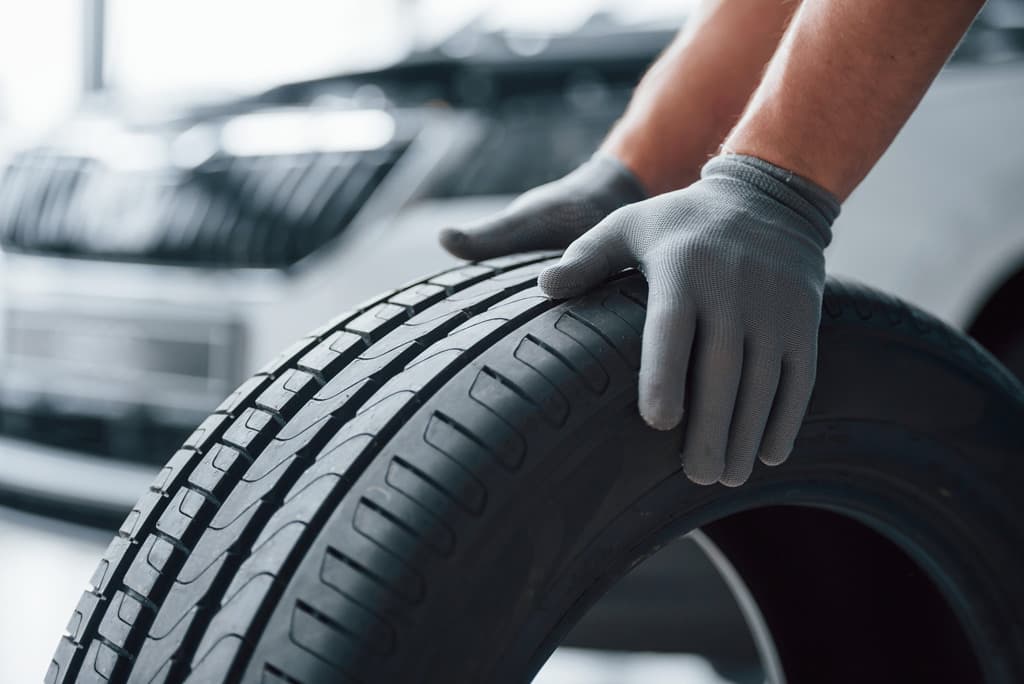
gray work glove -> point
(550, 216)
(736, 271)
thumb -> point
(587, 262)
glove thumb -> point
(586, 263)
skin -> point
(845, 78)
(844, 81)
(694, 94)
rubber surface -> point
(435, 487)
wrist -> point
(661, 161)
(817, 206)
(815, 167)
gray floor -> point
(47, 564)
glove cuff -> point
(815, 204)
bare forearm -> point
(845, 79)
(697, 90)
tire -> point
(436, 487)
(1012, 355)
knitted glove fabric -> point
(736, 272)
(550, 216)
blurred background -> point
(187, 187)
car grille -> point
(252, 211)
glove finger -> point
(587, 262)
(509, 232)
(790, 405)
(717, 365)
(758, 383)
(667, 341)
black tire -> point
(1012, 355)
(435, 487)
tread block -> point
(535, 387)
(513, 260)
(146, 571)
(207, 432)
(249, 433)
(215, 471)
(243, 395)
(629, 302)
(178, 518)
(272, 675)
(302, 429)
(150, 667)
(609, 326)
(384, 589)
(449, 483)
(80, 617)
(334, 460)
(234, 617)
(59, 669)
(331, 355)
(171, 474)
(554, 368)
(386, 529)
(103, 659)
(412, 517)
(499, 443)
(497, 393)
(267, 557)
(112, 559)
(333, 645)
(215, 543)
(215, 665)
(247, 495)
(418, 297)
(576, 356)
(461, 276)
(287, 394)
(137, 519)
(174, 613)
(114, 628)
(345, 613)
(375, 321)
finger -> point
(758, 383)
(667, 341)
(795, 384)
(587, 262)
(717, 364)
(509, 232)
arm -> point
(846, 78)
(678, 116)
(696, 91)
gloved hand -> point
(736, 273)
(552, 215)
